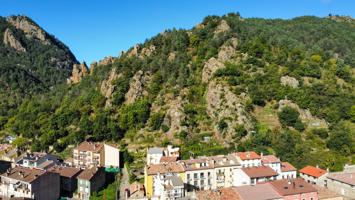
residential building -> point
(30, 183)
(314, 175)
(295, 189)
(89, 181)
(37, 160)
(171, 151)
(271, 161)
(156, 177)
(172, 187)
(88, 154)
(154, 155)
(254, 175)
(257, 192)
(68, 181)
(248, 159)
(288, 171)
(342, 183)
(112, 156)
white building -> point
(37, 160)
(254, 175)
(271, 161)
(154, 155)
(288, 171)
(248, 159)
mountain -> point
(31, 61)
(283, 87)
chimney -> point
(261, 154)
(317, 166)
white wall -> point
(112, 156)
(240, 178)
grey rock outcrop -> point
(222, 27)
(11, 41)
(137, 87)
(107, 87)
(305, 115)
(223, 104)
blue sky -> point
(94, 29)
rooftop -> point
(165, 159)
(88, 174)
(24, 174)
(258, 172)
(248, 155)
(68, 172)
(324, 193)
(313, 171)
(257, 192)
(89, 146)
(292, 187)
(347, 178)
(286, 167)
(269, 159)
(172, 167)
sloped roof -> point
(258, 172)
(248, 155)
(89, 146)
(292, 187)
(163, 168)
(165, 159)
(68, 172)
(269, 159)
(155, 150)
(24, 174)
(313, 171)
(88, 174)
(348, 178)
(286, 167)
(257, 192)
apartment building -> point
(23, 182)
(342, 183)
(68, 181)
(93, 154)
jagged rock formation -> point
(79, 71)
(106, 61)
(289, 81)
(305, 115)
(222, 27)
(171, 56)
(136, 87)
(226, 53)
(11, 41)
(29, 28)
(107, 87)
(141, 53)
(223, 104)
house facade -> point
(314, 175)
(295, 189)
(254, 175)
(88, 154)
(68, 181)
(342, 183)
(30, 183)
(89, 181)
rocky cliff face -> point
(11, 41)
(107, 87)
(29, 28)
(137, 87)
(79, 71)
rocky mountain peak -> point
(31, 29)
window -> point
(188, 176)
(195, 175)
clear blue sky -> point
(94, 29)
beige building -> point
(30, 183)
(91, 154)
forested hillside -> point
(270, 85)
(31, 61)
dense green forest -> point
(283, 87)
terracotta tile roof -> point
(88, 174)
(221, 194)
(163, 168)
(24, 174)
(166, 159)
(134, 187)
(324, 193)
(258, 172)
(286, 167)
(292, 187)
(348, 178)
(313, 171)
(89, 146)
(248, 155)
(68, 172)
(257, 192)
(269, 159)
